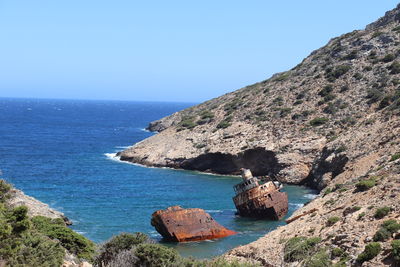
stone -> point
(182, 225)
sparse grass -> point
(361, 215)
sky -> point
(181, 51)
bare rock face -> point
(181, 225)
(35, 207)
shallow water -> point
(59, 151)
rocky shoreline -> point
(35, 207)
(330, 123)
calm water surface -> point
(59, 152)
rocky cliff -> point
(301, 126)
(330, 122)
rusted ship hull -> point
(182, 225)
(273, 206)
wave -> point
(310, 196)
(144, 130)
(80, 232)
(296, 205)
(214, 211)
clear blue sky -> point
(162, 50)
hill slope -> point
(301, 126)
(331, 122)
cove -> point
(58, 152)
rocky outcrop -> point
(302, 126)
(181, 225)
(330, 122)
(35, 207)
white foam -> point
(144, 130)
(296, 205)
(310, 196)
(214, 211)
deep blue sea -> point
(58, 151)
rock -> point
(181, 225)
(35, 207)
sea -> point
(62, 152)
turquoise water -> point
(59, 152)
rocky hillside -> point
(301, 126)
(331, 122)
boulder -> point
(182, 225)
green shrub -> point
(377, 34)
(381, 235)
(187, 122)
(381, 212)
(283, 112)
(364, 185)
(319, 259)
(396, 250)
(333, 74)
(386, 100)
(394, 67)
(391, 225)
(374, 95)
(371, 251)
(156, 255)
(361, 215)
(318, 121)
(125, 241)
(332, 220)
(4, 190)
(388, 58)
(327, 191)
(299, 248)
(36, 250)
(326, 90)
(282, 77)
(338, 252)
(223, 124)
(351, 55)
(72, 241)
(395, 157)
(20, 243)
(278, 101)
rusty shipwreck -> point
(258, 199)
